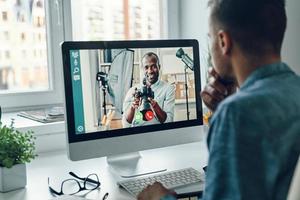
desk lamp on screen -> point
(133, 101)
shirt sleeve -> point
(169, 103)
(126, 105)
(233, 170)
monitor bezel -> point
(151, 129)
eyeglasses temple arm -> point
(52, 190)
(84, 179)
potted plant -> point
(16, 149)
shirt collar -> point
(155, 84)
(266, 71)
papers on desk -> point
(69, 197)
(46, 115)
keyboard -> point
(171, 180)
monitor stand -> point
(132, 165)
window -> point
(30, 67)
(5, 74)
(6, 35)
(21, 17)
(40, 37)
(39, 21)
(18, 2)
(23, 36)
(7, 54)
(14, 54)
(39, 4)
(4, 16)
(37, 77)
(24, 54)
(35, 53)
(117, 19)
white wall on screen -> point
(89, 115)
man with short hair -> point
(254, 134)
(163, 102)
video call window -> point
(123, 88)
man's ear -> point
(225, 42)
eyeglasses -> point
(73, 186)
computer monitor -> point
(127, 96)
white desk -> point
(56, 166)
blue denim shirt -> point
(254, 138)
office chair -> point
(294, 191)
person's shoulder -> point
(234, 104)
(233, 100)
(166, 84)
(162, 82)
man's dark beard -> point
(155, 76)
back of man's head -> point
(257, 26)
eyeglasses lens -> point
(91, 185)
(70, 186)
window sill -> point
(49, 136)
(24, 124)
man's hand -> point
(215, 91)
(129, 114)
(154, 192)
(153, 102)
(160, 114)
(136, 101)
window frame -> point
(12, 101)
(59, 21)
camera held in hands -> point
(145, 108)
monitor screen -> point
(121, 88)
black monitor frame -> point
(85, 45)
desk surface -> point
(56, 166)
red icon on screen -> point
(149, 115)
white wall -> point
(172, 19)
(193, 24)
(190, 22)
(291, 44)
(193, 19)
